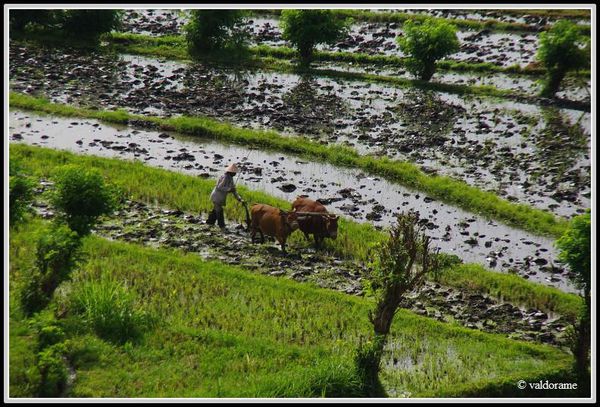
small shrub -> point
(81, 197)
(215, 30)
(53, 371)
(399, 265)
(85, 350)
(575, 249)
(50, 335)
(426, 42)
(32, 298)
(20, 194)
(560, 52)
(304, 29)
(90, 23)
(110, 310)
(57, 254)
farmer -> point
(218, 196)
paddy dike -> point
(522, 152)
(140, 223)
(347, 192)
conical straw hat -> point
(232, 168)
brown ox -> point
(271, 221)
(320, 226)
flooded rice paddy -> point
(500, 48)
(523, 152)
(348, 192)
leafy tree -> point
(575, 250)
(20, 194)
(304, 29)
(214, 30)
(560, 52)
(400, 265)
(426, 42)
(81, 196)
(90, 23)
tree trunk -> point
(553, 81)
(306, 54)
(428, 71)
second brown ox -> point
(320, 226)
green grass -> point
(225, 332)
(444, 188)
(399, 17)
(191, 194)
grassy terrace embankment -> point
(277, 59)
(399, 17)
(225, 332)
(191, 194)
(444, 188)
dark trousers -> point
(216, 215)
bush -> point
(575, 250)
(21, 19)
(90, 23)
(86, 24)
(424, 43)
(399, 265)
(50, 335)
(81, 197)
(53, 371)
(560, 52)
(575, 247)
(215, 30)
(304, 29)
(110, 310)
(56, 255)
(20, 194)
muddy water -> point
(496, 145)
(347, 192)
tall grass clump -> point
(110, 310)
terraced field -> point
(494, 171)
